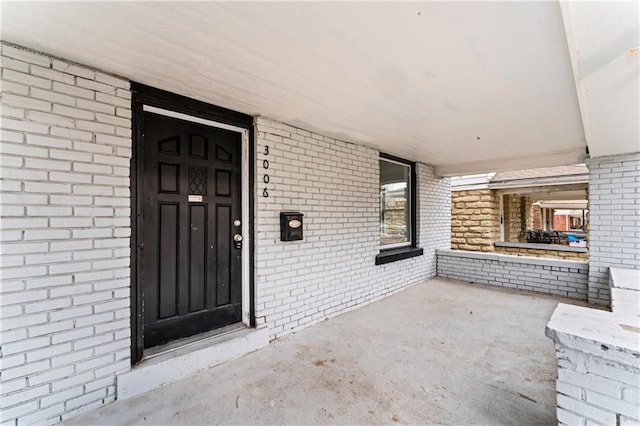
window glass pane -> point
(395, 201)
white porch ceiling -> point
(468, 87)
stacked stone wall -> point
(475, 223)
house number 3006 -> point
(265, 177)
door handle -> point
(237, 240)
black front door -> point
(191, 211)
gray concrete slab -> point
(441, 352)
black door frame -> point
(145, 95)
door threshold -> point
(190, 341)
(172, 362)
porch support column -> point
(614, 220)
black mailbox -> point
(290, 226)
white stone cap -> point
(624, 278)
(600, 333)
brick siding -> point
(66, 225)
(66, 147)
(336, 185)
(614, 220)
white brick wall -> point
(550, 276)
(598, 366)
(65, 237)
(336, 185)
(66, 148)
(614, 220)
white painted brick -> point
(55, 188)
(91, 168)
(25, 370)
(65, 268)
(26, 102)
(11, 87)
(632, 395)
(92, 233)
(17, 65)
(92, 190)
(71, 335)
(43, 416)
(23, 297)
(47, 164)
(25, 126)
(35, 211)
(72, 358)
(48, 352)
(96, 106)
(24, 223)
(92, 298)
(25, 79)
(124, 112)
(13, 111)
(9, 136)
(13, 385)
(10, 161)
(48, 305)
(70, 199)
(113, 81)
(123, 93)
(10, 311)
(26, 395)
(614, 404)
(96, 86)
(93, 276)
(51, 96)
(72, 90)
(48, 281)
(25, 55)
(73, 112)
(61, 396)
(123, 123)
(73, 69)
(12, 336)
(123, 132)
(23, 321)
(95, 127)
(114, 161)
(50, 328)
(22, 272)
(14, 149)
(20, 410)
(11, 286)
(120, 366)
(9, 185)
(71, 133)
(48, 141)
(113, 140)
(612, 373)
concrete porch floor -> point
(441, 352)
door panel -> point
(197, 258)
(191, 269)
(168, 260)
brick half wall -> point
(549, 276)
